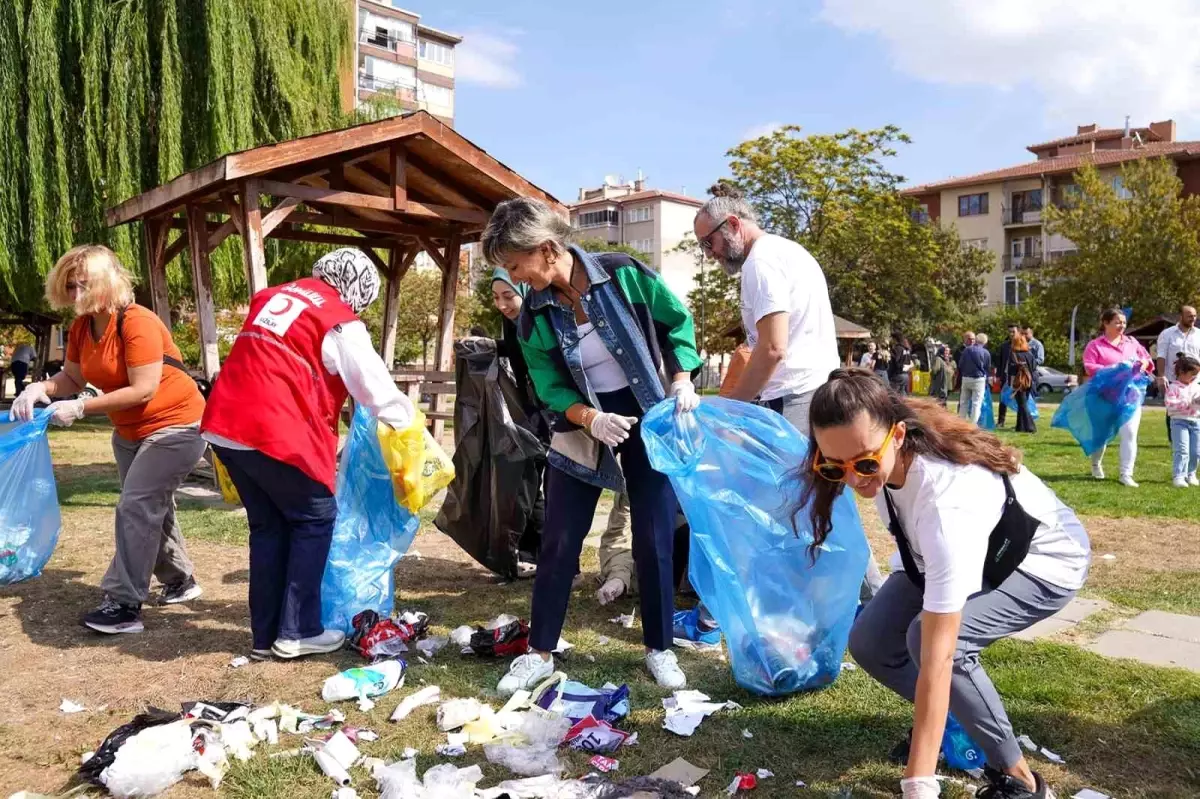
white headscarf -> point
(352, 273)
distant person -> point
(1037, 348)
(21, 364)
(882, 359)
(1183, 409)
(967, 340)
(974, 367)
(900, 364)
(1004, 364)
(867, 361)
(939, 376)
(1111, 347)
(1180, 338)
(155, 408)
(1022, 375)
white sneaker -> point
(328, 641)
(1180, 482)
(1098, 471)
(525, 672)
(665, 668)
(1192, 480)
(1127, 481)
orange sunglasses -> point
(864, 465)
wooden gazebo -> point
(400, 186)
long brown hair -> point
(930, 430)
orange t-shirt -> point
(103, 363)
(737, 365)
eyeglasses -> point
(864, 466)
(706, 242)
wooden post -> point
(206, 318)
(399, 178)
(398, 264)
(445, 342)
(155, 233)
(253, 243)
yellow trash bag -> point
(225, 482)
(419, 466)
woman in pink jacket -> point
(1111, 347)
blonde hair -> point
(109, 284)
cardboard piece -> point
(682, 772)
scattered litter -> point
(372, 763)
(577, 701)
(686, 709)
(368, 735)
(68, 706)
(238, 739)
(593, 735)
(742, 782)
(455, 713)
(603, 640)
(536, 756)
(1088, 793)
(377, 637)
(682, 772)
(848, 666)
(604, 764)
(461, 636)
(503, 620)
(365, 705)
(286, 753)
(631, 740)
(764, 774)
(747, 734)
(239, 661)
(502, 637)
(1027, 743)
(409, 753)
(85, 757)
(801, 784)
(1053, 758)
(1109, 556)
(625, 620)
(400, 781)
(590, 658)
(430, 695)
(374, 680)
(265, 730)
(450, 750)
(344, 793)
(422, 661)
(431, 646)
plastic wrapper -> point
(371, 533)
(417, 463)
(375, 637)
(1095, 411)
(29, 516)
(1008, 398)
(786, 618)
(577, 701)
(497, 460)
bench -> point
(437, 386)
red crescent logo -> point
(287, 305)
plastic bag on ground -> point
(577, 701)
(400, 781)
(497, 459)
(418, 466)
(536, 755)
(373, 680)
(29, 516)
(786, 619)
(1095, 411)
(371, 534)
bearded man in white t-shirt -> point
(785, 307)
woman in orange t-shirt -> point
(127, 352)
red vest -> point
(274, 394)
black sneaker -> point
(180, 592)
(112, 617)
(899, 753)
(1002, 786)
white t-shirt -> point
(1173, 341)
(948, 513)
(780, 276)
(603, 372)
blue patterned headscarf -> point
(501, 274)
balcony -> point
(371, 83)
(385, 41)
(1022, 216)
(1016, 263)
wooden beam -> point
(468, 215)
(202, 285)
(445, 343)
(234, 209)
(167, 195)
(331, 196)
(289, 233)
(375, 259)
(432, 181)
(399, 178)
(176, 247)
(155, 232)
(227, 229)
(254, 255)
(278, 214)
(434, 252)
(342, 219)
(398, 264)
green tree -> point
(835, 195)
(600, 245)
(418, 315)
(1140, 250)
(715, 302)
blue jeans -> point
(1185, 445)
(291, 526)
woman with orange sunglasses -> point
(985, 550)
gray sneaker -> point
(328, 641)
(175, 593)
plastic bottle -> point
(374, 680)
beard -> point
(735, 255)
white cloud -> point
(1092, 61)
(758, 131)
(488, 58)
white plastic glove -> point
(23, 406)
(611, 429)
(65, 413)
(686, 398)
(611, 591)
(920, 788)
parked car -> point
(1049, 380)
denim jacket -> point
(643, 325)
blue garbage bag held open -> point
(987, 416)
(29, 516)
(1008, 398)
(371, 534)
(1096, 411)
(786, 619)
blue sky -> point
(568, 92)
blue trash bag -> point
(786, 619)
(987, 416)
(371, 534)
(1008, 398)
(29, 516)
(1096, 411)
(959, 750)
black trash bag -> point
(107, 752)
(497, 459)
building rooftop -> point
(648, 194)
(449, 37)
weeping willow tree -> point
(104, 99)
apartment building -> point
(649, 220)
(398, 56)
(1001, 210)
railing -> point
(1013, 263)
(390, 43)
(400, 91)
(1023, 216)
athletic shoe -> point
(260, 655)
(1192, 480)
(665, 668)
(1180, 482)
(180, 592)
(524, 674)
(1002, 786)
(328, 641)
(899, 752)
(112, 617)
(688, 631)
(1127, 481)
(1098, 471)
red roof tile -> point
(1066, 163)
(641, 195)
(1103, 134)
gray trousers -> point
(616, 545)
(148, 537)
(886, 643)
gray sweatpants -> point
(886, 642)
(148, 537)
(616, 545)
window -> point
(976, 244)
(920, 214)
(378, 74)
(435, 95)
(609, 216)
(972, 204)
(1015, 290)
(1118, 184)
(383, 31)
(437, 53)
(642, 214)
(645, 245)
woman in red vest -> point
(272, 419)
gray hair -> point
(981, 338)
(721, 207)
(520, 225)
